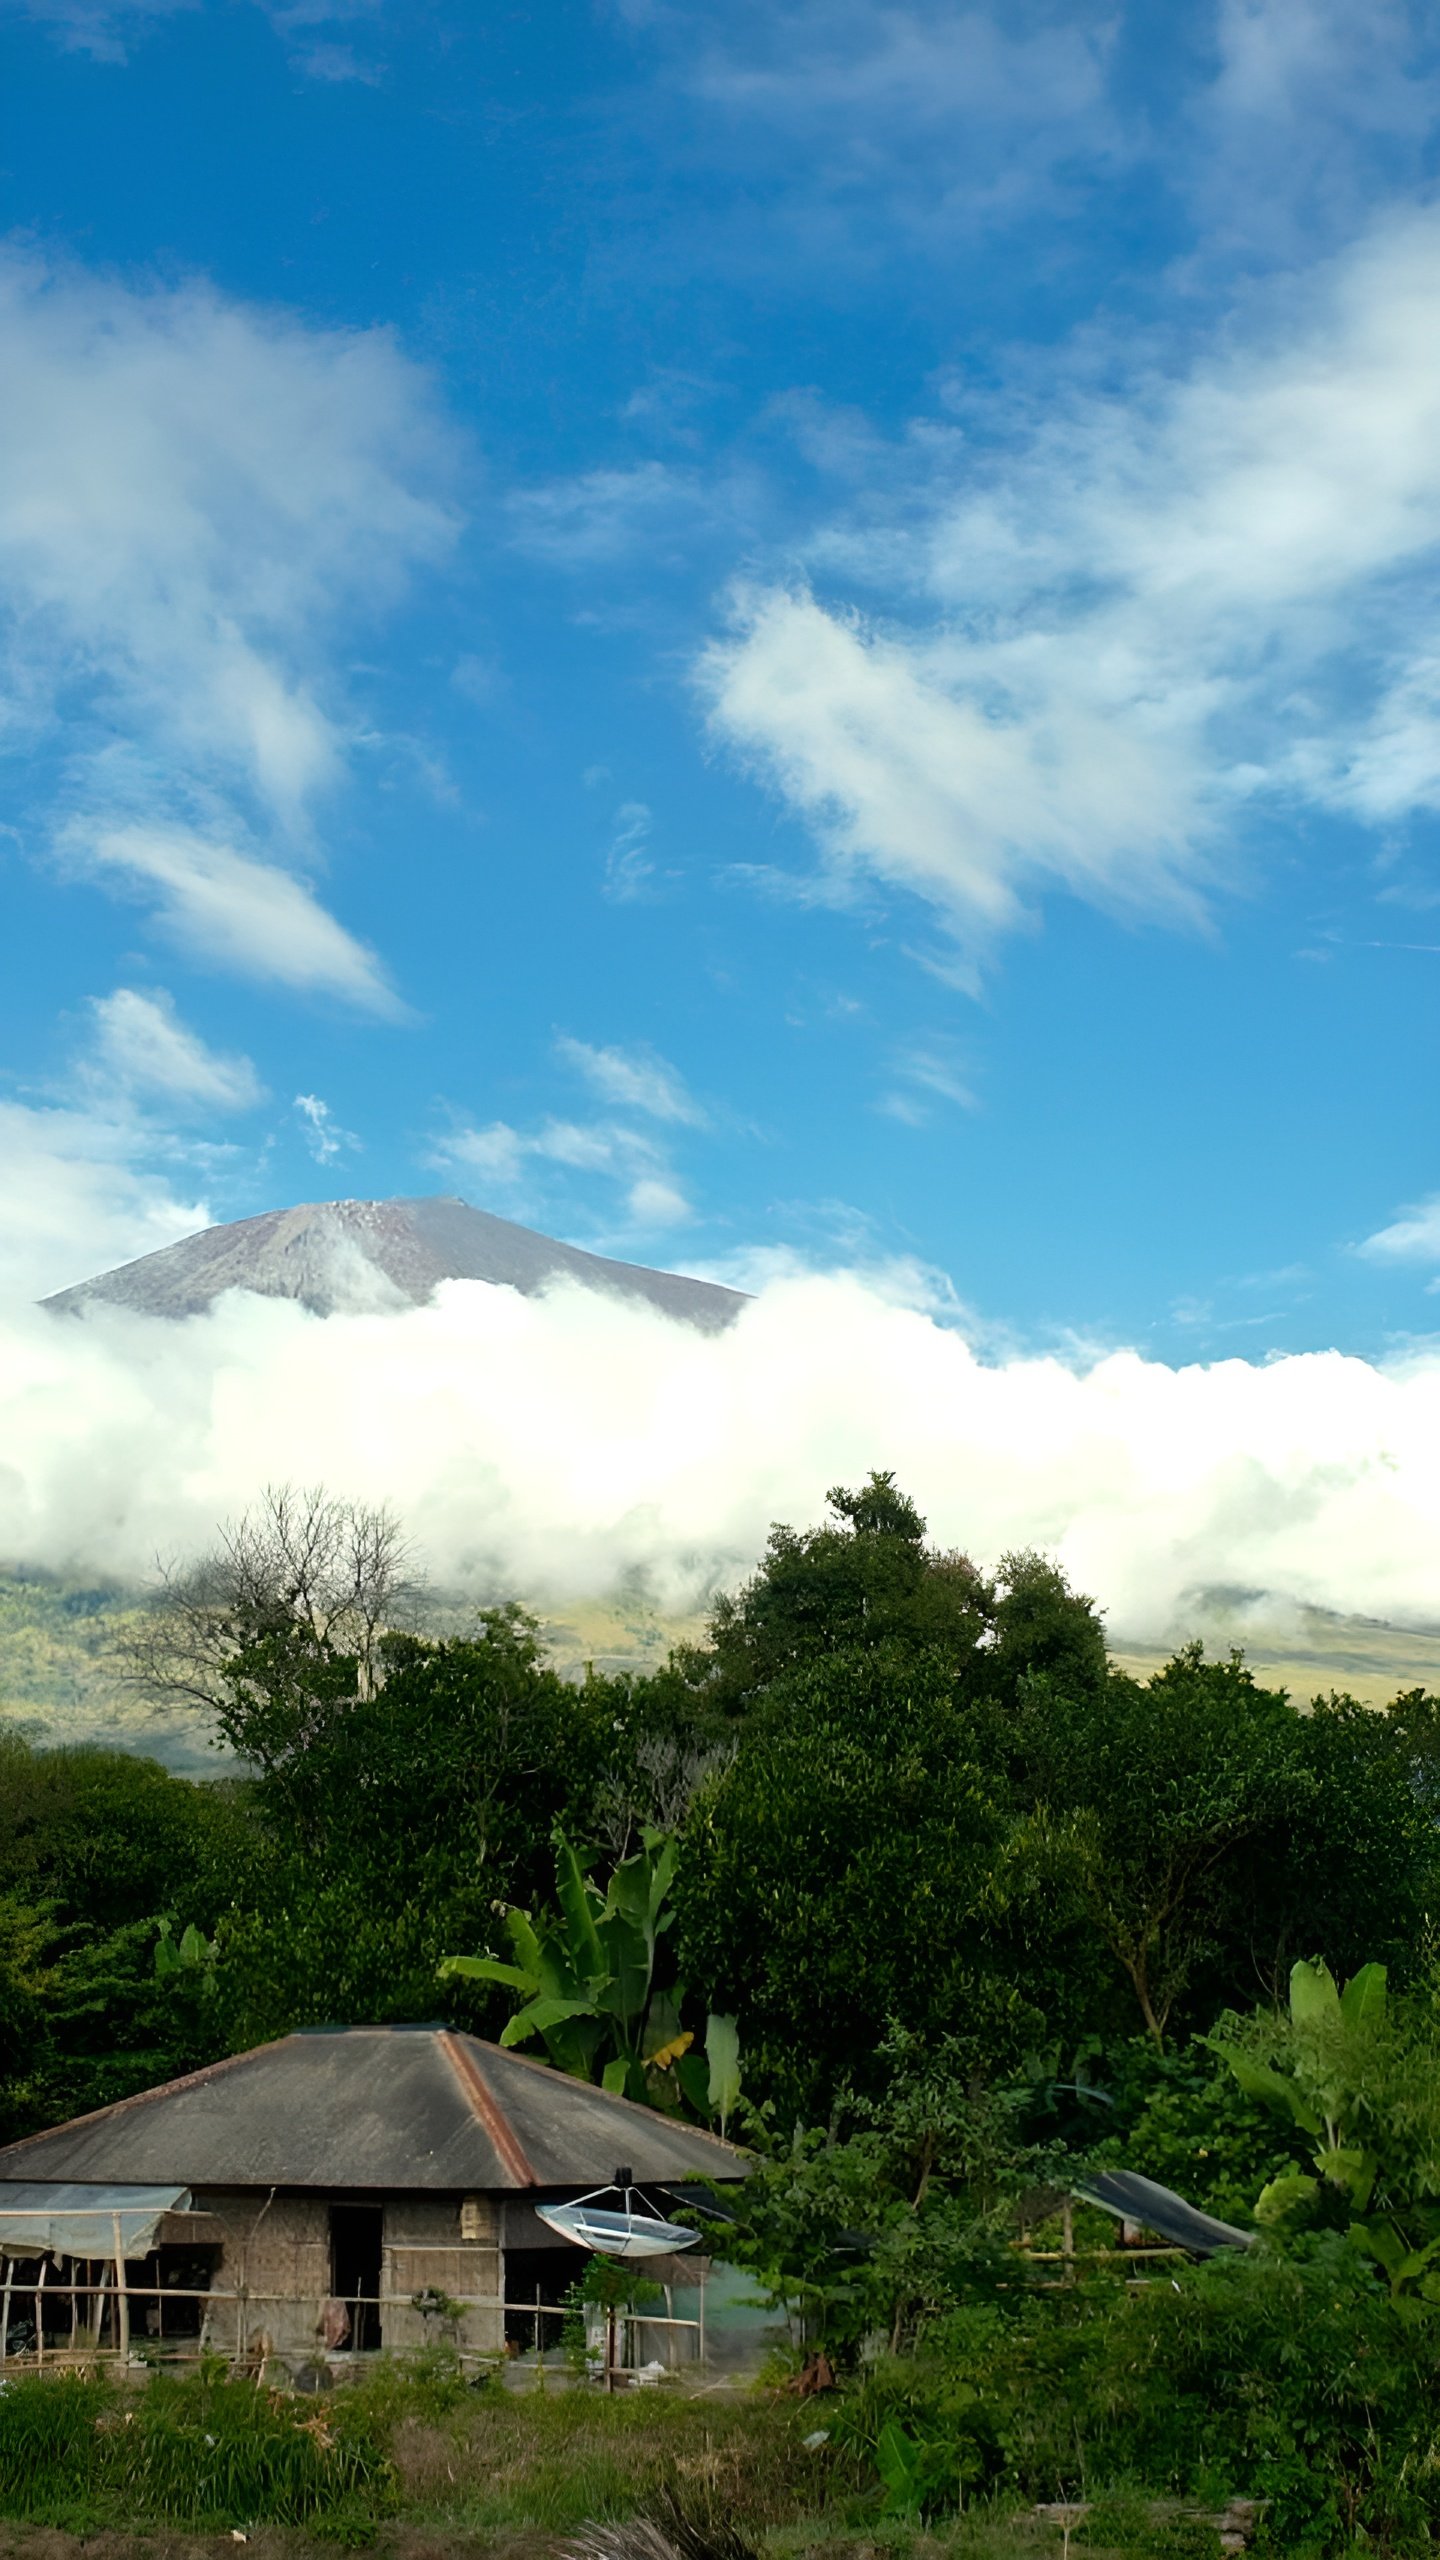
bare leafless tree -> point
(340, 1573)
(668, 1774)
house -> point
(344, 2189)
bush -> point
(1290, 2379)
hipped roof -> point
(374, 2107)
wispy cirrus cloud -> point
(197, 500)
(637, 1187)
(109, 30)
(1412, 1237)
(1211, 589)
(922, 1074)
(629, 865)
(227, 910)
(324, 1138)
(141, 1047)
(634, 1079)
(605, 1171)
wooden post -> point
(122, 2298)
(40, 2315)
(5, 2306)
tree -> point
(303, 1578)
(865, 1579)
(1156, 1787)
(846, 1870)
(96, 1848)
(1353, 1867)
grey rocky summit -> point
(349, 1256)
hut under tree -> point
(330, 2192)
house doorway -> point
(357, 2241)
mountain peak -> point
(347, 1256)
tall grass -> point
(200, 2451)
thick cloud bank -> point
(548, 1446)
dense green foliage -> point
(984, 1909)
(908, 1796)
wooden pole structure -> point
(122, 2298)
(5, 2305)
(40, 2314)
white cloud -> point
(599, 516)
(104, 29)
(629, 870)
(225, 909)
(1318, 108)
(142, 1047)
(611, 1440)
(322, 1132)
(844, 127)
(633, 1079)
(84, 1188)
(655, 1202)
(1412, 1237)
(197, 500)
(864, 64)
(513, 1165)
(108, 29)
(1145, 613)
(926, 1072)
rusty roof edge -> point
(484, 2104)
(632, 2106)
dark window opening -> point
(357, 2241)
(181, 2277)
(541, 2277)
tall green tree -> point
(1157, 1787)
(864, 1579)
(96, 1847)
(847, 1870)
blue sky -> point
(759, 636)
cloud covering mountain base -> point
(548, 1447)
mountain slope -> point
(343, 1256)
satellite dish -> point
(625, 2230)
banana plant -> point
(585, 1973)
(192, 1956)
(1332, 2036)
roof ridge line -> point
(613, 2098)
(486, 2108)
(143, 2097)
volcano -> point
(352, 1256)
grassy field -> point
(415, 2469)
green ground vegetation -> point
(899, 1875)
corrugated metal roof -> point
(1132, 2198)
(373, 2107)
